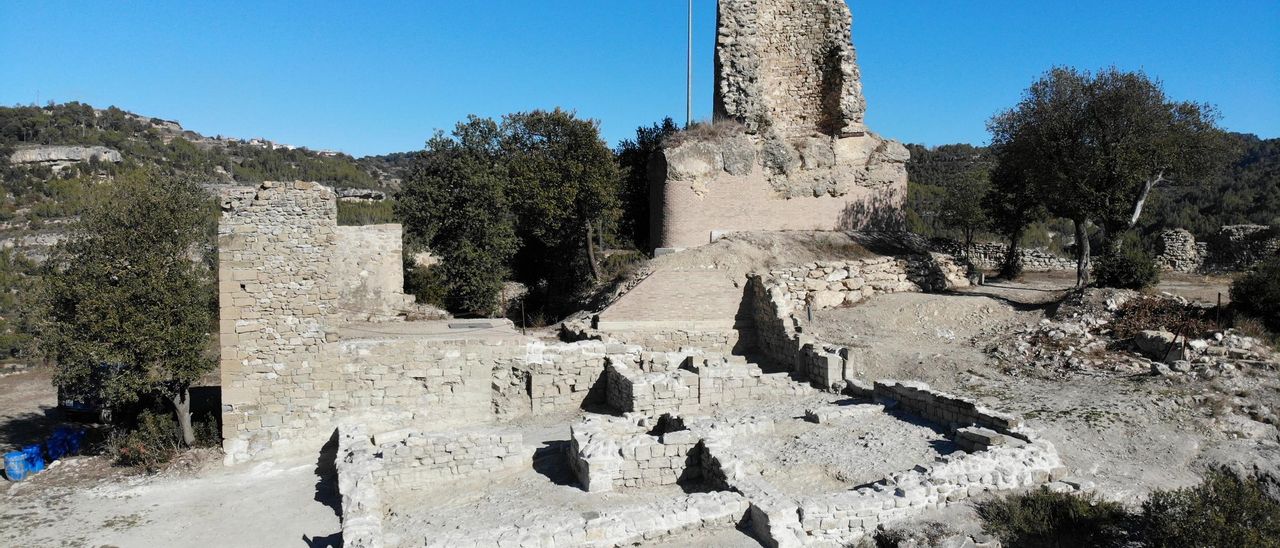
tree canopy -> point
(130, 301)
(531, 196)
(454, 202)
(1092, 147)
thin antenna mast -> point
(688, 92)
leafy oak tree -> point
(130, 309)
(529, 198)
(563, 185)
(1092, 147)
(453, 202)
(962, 209)
(634, 157)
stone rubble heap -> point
(991, 255)
(1180, 252)
(841, 283)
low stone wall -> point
(613, 453)
(632, 390)
(408, 459)
(697, 383)
(1240, 247)
(832, 284)
(362, 506)
(945, 409)
(636, 525)
(991, 255)
(848, 515)
(608, 454)
(720, 337)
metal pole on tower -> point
(688, 92)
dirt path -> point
(84, 502)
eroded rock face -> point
(58, 156)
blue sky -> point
(370, 78)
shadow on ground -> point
(552, 461)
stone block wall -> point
(613, 454)
(1240, 247)
(701, 383)
(632, 390)
(278, 312)
(990, 256)
(788, 65)
(291, 367)
(413, 460)
(368, 271)
(778, 299)
(945, 409)
(839, 283)
(842, 516)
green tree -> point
(454, 203)
(634, 157)
(563, 185)
(1011, 202)
(129, 310)
(1095, 146)
(962, 208)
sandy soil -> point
(1128, 433)
(86, 501)
(802, 458)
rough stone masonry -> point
(788, 149)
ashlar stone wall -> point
(369, 273)
(278, 312)
(294, 364)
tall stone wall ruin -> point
(278, 312)
(789, 66)
(312, 334)
(788, 149)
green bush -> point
(1045, 518)
(150, 444)
(1222, 511)
(1257, 293)
(1130, 267)
(366, 213)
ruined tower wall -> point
(789, 149)
(278, 312)
(788, 65)
(368, 271)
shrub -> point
(1130, 267)
(151, 443)
(1222, 511)
(1257, 293)
(366, 213)
(1045, 518)
(1148, 312)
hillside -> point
(41, 142)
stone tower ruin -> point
(788, 148)
(788, 65)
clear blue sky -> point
(370, 78)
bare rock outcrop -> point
(60, 156)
